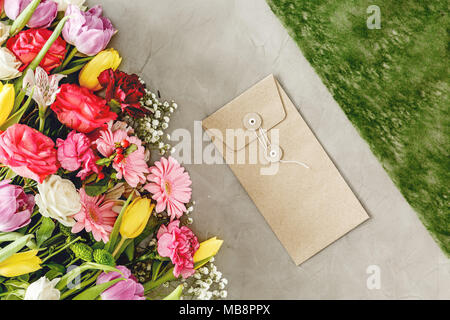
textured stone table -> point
(203, 53)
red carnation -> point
(124, 89)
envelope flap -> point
(263, 99)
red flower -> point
(80, 109)
(125, 89)
(28, 152)
(27, 44)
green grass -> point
(393, 84)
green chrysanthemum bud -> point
(82, 251)
(67, 231)
(102, 256)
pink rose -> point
(28, 152)
(180, 245)
(76, 152)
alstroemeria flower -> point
(43, 86)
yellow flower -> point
(20, 263)
(207, 249)
(135, 218)
(7, 97)
(107, 59)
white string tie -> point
(265, 143)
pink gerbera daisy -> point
(170, 186)
(132, 167)
(96, 216)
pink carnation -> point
(132, 167)
(170, 186)
(96, 216)
(28, 152)
(76, 152)
(179, 244)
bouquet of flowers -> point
(86, 214)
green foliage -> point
(45, 231)
(82, 251)
(104, 257)
(392, 83)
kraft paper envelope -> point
(307, 209)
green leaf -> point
(45, 231)
(176, 294)
(13, 236)
(94, 292)
(103, 162)
(15, 118)
(115, 232)
(14, 247)
(52, 274)
(56, 267)
(129, 251)
(97, 188)
(168, 276)
(132, 148)
(84, 267)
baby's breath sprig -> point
(207, 283)
(151, 128)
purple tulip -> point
(42, 17)
(16, 208)
(129, 289)
(88, 31)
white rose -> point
(4, 32)
(43, 289)
(63, 4)
(9, 65)
(59, 199)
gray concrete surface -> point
(203, 53)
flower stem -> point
(61, 249)
(122, 240)
(41, 119)
(69, 58)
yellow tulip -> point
(107, 59)
(207, 249)
(20, 263)
(135, 218)
(7, 96)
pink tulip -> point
(88, 31)
(129, 289)
(16, 208)
(42, 17)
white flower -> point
(4, 32)
(63, 4)
(45, 87)
(9, 65)
(43, 289)
(58, 199)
